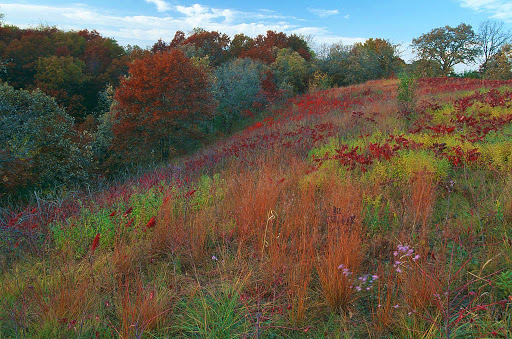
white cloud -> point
(323, 12)
(144, 30)
(498, 9)
(161, 5)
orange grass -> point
(342, 245)
(169, 234)
(141, 308)
(422, 188)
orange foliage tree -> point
(160, 107)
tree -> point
(73, 67)
(240, 44)
(448, 46)
(37, 147)
(491, 37)
(385, 54)
(500, 65)
(375, 59)
(333, 61)
(424, 69)
(265, 47)
(237, 89)
(300, 45)
(291, 71)
(213, 44)
(23, 54)
(159, 106)
(59, 72)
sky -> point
(143, 22)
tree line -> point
(74, 104)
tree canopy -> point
(162, 101)
(492, 36)
(448, 46)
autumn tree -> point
(73, 67)
(22, 55)
(179, 38)
(212, 44)
(240, 44)
(300, 45)
(160, 106)
(448, 46)
(265, 47)
(159, 46)
(492, 36)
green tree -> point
(375, 59)
(448, 46)
(424, 69)
(237, 89)
(60, 72)
(36, 143)
(291, 71)
(333, 60)
(500, 65)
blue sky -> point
(143, 22)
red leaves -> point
(190, 193)
(151, 223)
(441, 129)
(461, 156)
(129, 223)
(95, 243)
(164, 90)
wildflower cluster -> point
(403, 252)
(364, 282)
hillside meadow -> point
(377, 210)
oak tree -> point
(448, 46)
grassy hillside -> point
(377, 210)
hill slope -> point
(375, 209)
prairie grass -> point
(336, 215)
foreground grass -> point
(347, 214)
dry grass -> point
(342, 245)
(141, 308)
(422, 194)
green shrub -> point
(37, 148)
(236, 88)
